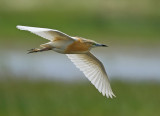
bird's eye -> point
(94, 44)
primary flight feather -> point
(78, 51)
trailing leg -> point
(38, 50)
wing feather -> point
(94, 70)
(46, 33)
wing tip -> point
(110, 95)
(19, 27)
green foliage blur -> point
(121, 21)
(44, 98)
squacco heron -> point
(78, 51)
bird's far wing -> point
(46, 33)
(94, 71)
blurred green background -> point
(121, 24)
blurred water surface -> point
(120, 63)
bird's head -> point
(92, 43)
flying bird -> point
(78, 51)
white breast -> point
(60, 45)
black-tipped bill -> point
(101, 45)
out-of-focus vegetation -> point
(25, 98)
(120, 21)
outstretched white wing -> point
(46, 33)
(94, 71)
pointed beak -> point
(101, 45)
